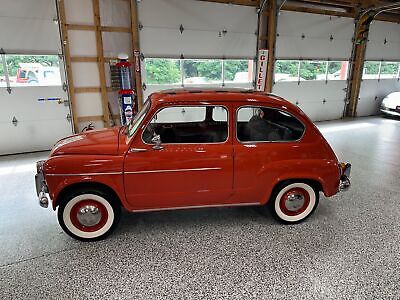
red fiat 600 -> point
(192, 149)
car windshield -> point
(135, 122)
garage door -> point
(34, 110)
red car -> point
(192, 149)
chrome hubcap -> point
(294, 202)
(89, 215)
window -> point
(313, 70)
(371, 70)
(162, 71)
(337, 70)
(295, 70)
(262, 124)
(135, 122)
(286, 70)
(238, 71)
(389, 70)
(189, 124)
(199, 72)
(39, 70)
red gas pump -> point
(127, 95)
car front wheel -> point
(294, 202)
(88, 215)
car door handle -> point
(135, 150)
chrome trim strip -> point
(86, 174)
(173, 170)
(197, 206)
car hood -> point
(104, 142)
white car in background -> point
(391, 104)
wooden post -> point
(100, 63)
(357, 63)
(272, 19)
(136, 52)
(68, 68)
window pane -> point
(337, 70)
(39, 70)
(189, 124)
(312, 70)
(371, 70)
(261, 124)
(389, 70)
(219, 114)
(200, 72)
(238, 71)
(286, 70)
(162, 71)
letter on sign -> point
(262, 69)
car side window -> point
(263, 124)
(188, 124)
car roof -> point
(215, 94)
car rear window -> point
(266, 124)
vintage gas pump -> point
(127, 95)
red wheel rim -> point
(92, 204)
(294, 202)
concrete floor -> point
(349, 249)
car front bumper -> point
(41, 186)
(345, 176)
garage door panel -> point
(384, 41)
(318, 99)
(168, 42)
(41, 123)
(203, 28)
(197, 15)
(330, 37)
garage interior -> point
(336, 60)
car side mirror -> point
(156, 140)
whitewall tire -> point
(88, 214)
(294, 202)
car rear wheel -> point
(294, 202)
(88, 214)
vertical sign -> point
(261, 69)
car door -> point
(194, 166)
(266, 144)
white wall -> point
(114, 13)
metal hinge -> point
(69, 118)
(65, 87)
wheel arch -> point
(314, 183)
(80, 185)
